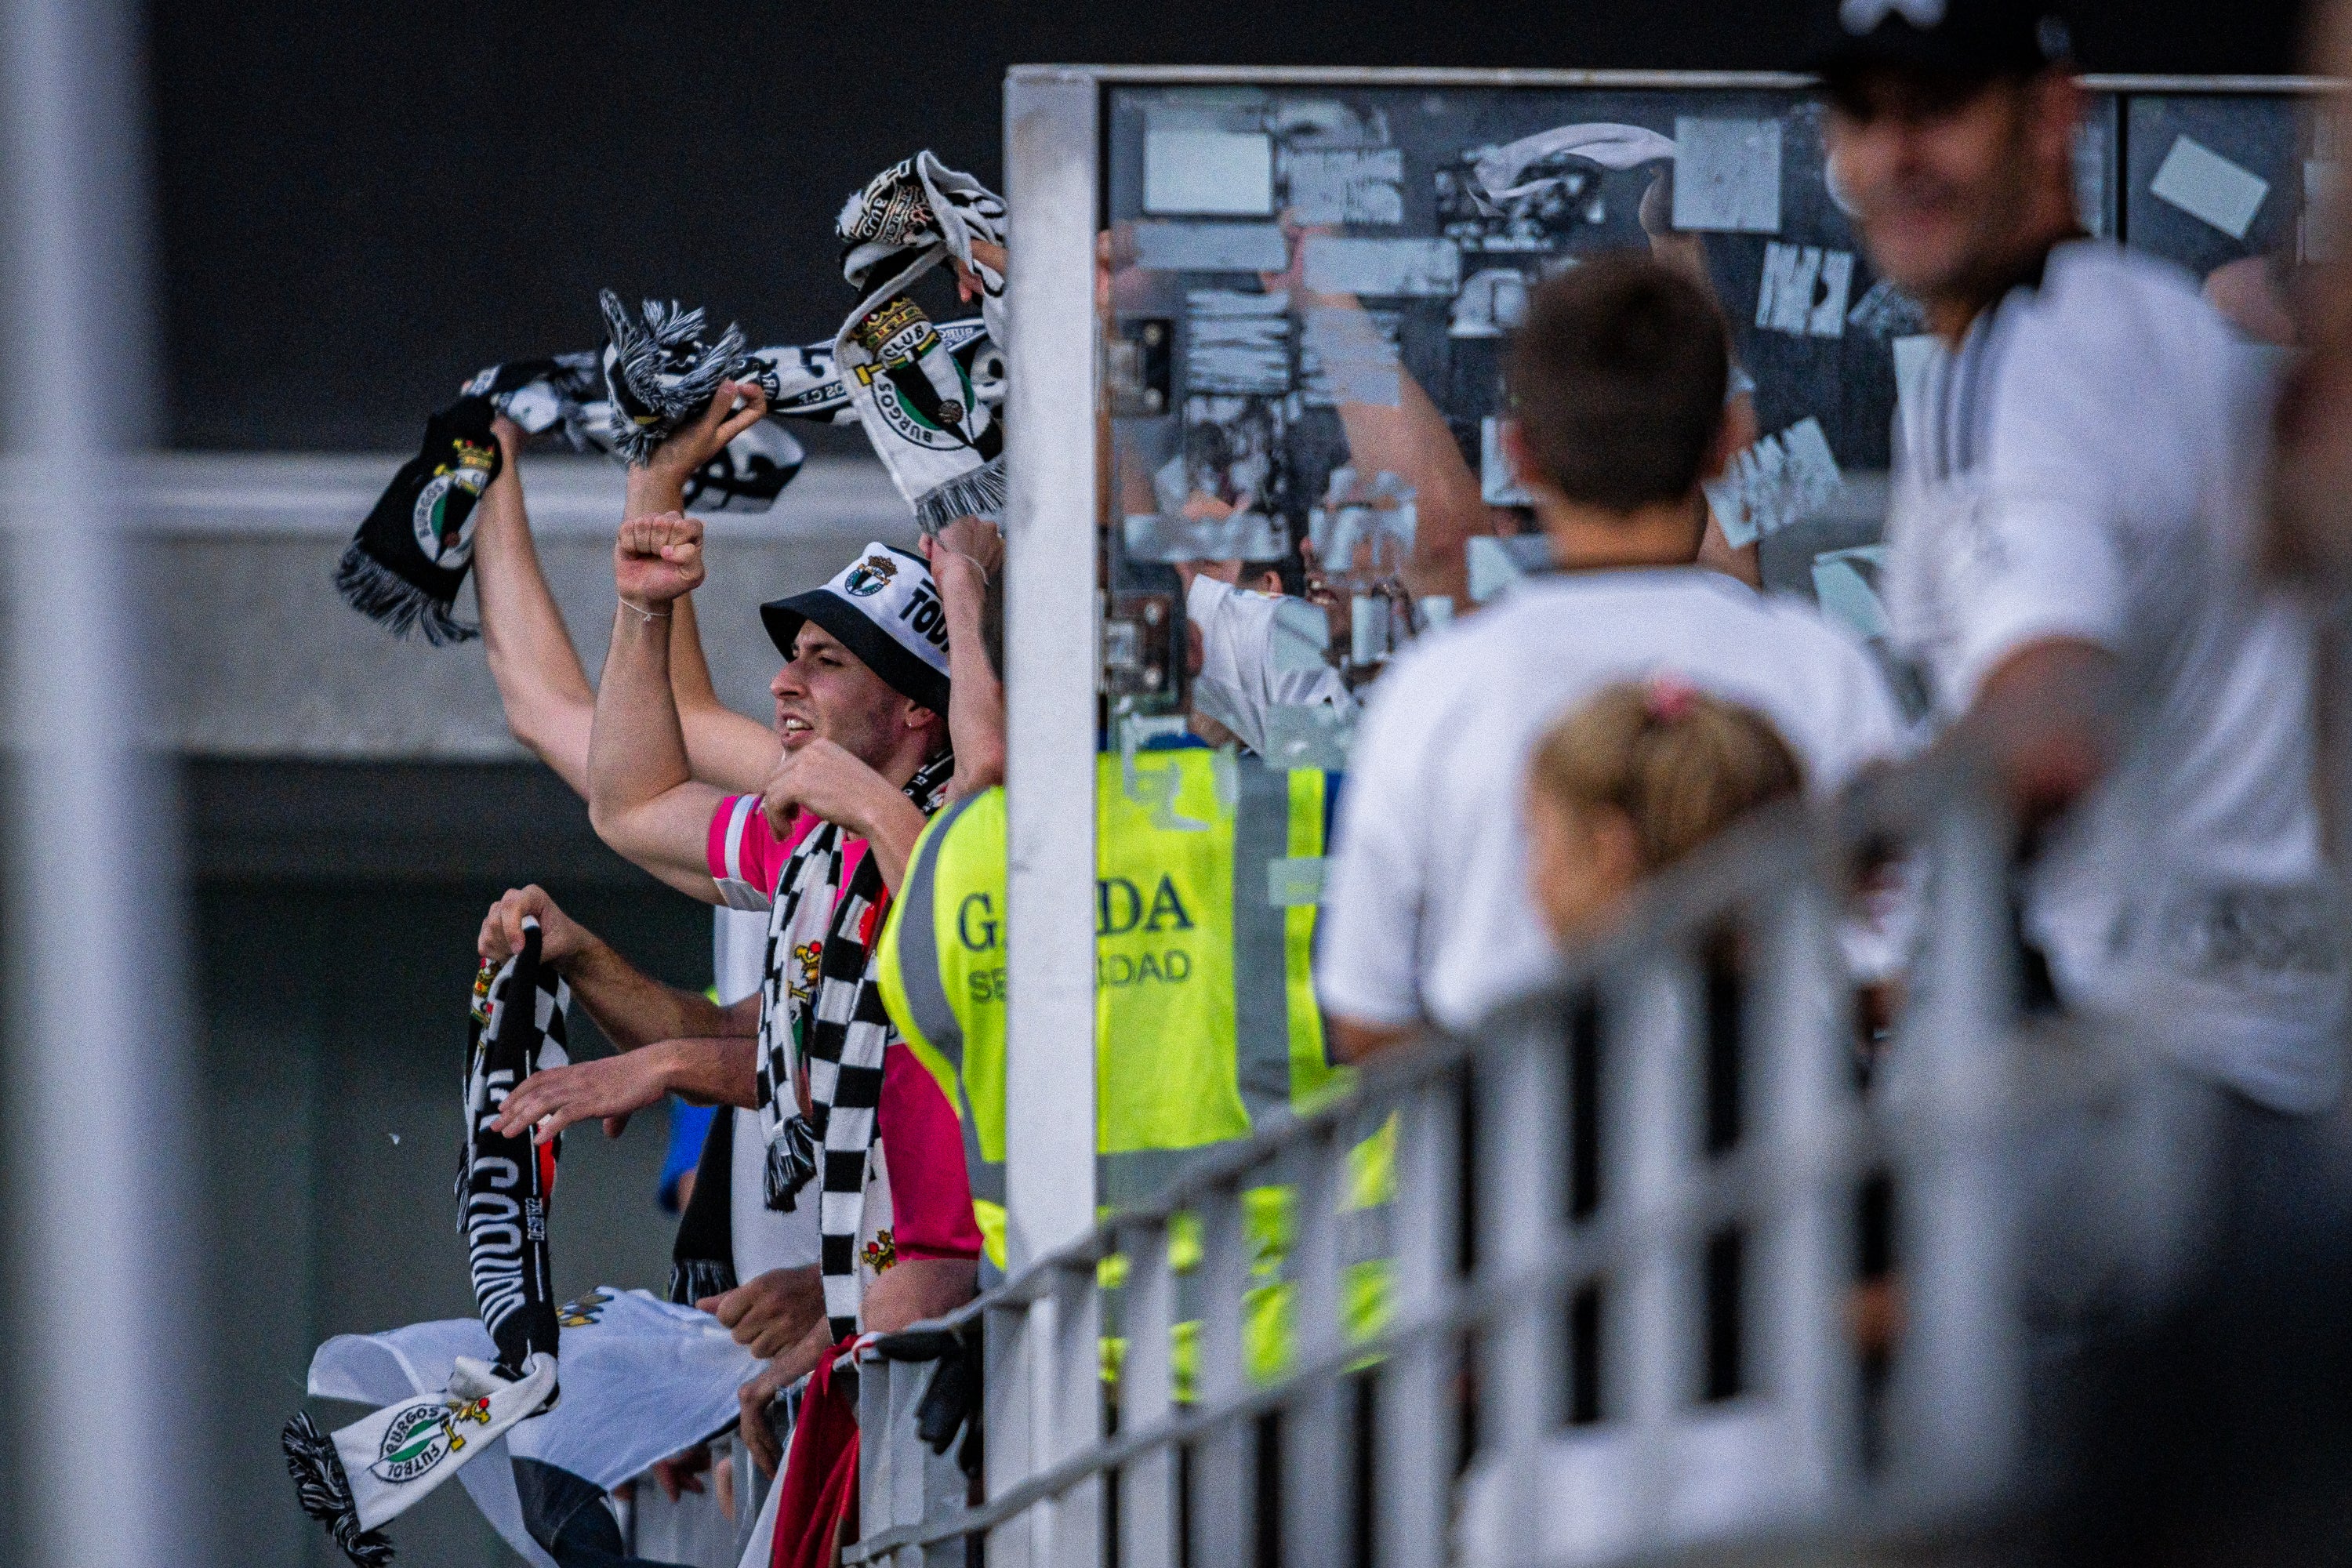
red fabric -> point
(930, 1191)
(820, 1478)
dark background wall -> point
(334, 913)
(359, 203)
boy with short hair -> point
(1618, 377)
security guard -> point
(1208, 869)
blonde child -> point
(1633, 781)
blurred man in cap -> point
(2072, 539)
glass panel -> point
(2236, 189)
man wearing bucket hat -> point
(887, 708)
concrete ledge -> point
(258, 658)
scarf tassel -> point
(979, 493)
(693, 1279)
(325, 1491)
(791, 1160)
(382, 594)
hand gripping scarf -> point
(404, 565)
(378, 1468)
(848, 1030)
(917, 398)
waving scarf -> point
(831, 1022)
(919, 402)
(642, 1379)
(411, 552)
(380, 1466)
(404, 565)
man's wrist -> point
(584, 958)
(652, 491)
(885, 807)
(957, 575)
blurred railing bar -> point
(97, 1073)
(1783, 861)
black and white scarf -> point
(505, 1184)
(922, 405)
(405, 565)
(370, 1472)
(836, 1029)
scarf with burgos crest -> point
(920, 403)
(655, 373)
(835, 1028)
(378, 1468)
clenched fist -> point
(658, 559)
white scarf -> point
(923, 404)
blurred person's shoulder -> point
(2123, 324)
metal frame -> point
(1045, 1459)
(1052, 176)
(1051, 613)
(1620, 1491)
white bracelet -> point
(644, 615)
(976, 564)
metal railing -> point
(1620, 1274)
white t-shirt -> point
(1245, 673)
(1428, 911)
(2084, 466)
(762, 1238)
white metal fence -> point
(1622, 1255)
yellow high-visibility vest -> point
(1207, 871)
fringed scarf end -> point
(382, 595)
(325, 1491)
(979, 493)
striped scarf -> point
(837, 1029)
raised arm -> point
(643, 796)
(1409, 439)
(545, 692)
(1685, 251)
(723, 746)
(964, 556)
(550, 705)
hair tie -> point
(1670, 698)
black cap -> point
(1952, 38)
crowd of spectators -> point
(2076, 549)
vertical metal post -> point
(1051, 153)
(1146, 1508)
(1314, 1487)
(1522, 1211)
(1957, 1378)
(99, 1068)
(1649, 1373)
(1808, 1114)
(1223, 1522)
(1009, 1350)
(1413, 1431)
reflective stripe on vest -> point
(1207, 873)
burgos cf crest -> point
(443, 519)
(579, 1314)
(424, 1435)
(870, 577)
